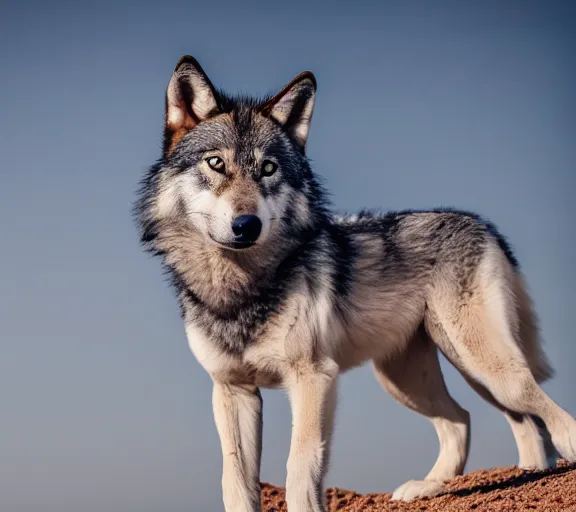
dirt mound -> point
(487, 489)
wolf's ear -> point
(292, 107)
(190, 99)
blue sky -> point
(420, 104)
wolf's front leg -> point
(238, 417)
(312, 389)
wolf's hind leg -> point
(552, 454)
(414, 378)
(476, 329)
(530, 445)
(531, 448)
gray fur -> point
(317, 294)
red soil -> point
(488, 489)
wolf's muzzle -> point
(247, 228)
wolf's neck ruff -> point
(222, 280)
(231, 296)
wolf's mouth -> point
(235, 246)
(238, 245)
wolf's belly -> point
(374, 338)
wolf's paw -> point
(534, 465)
(418, 489)
(534, 457)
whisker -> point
(200, 213)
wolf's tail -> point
(529, 332)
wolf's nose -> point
(247, 228)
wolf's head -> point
(233, 170)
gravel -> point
(487, 489)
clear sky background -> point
(102, 406)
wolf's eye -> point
(216, 163)
(269, 168)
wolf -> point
(277, 291)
